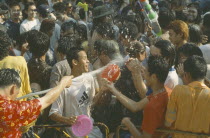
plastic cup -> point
(83, 126)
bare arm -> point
(53, 94)
(64, 120)
(134, 66)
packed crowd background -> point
(164, 56)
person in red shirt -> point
(154, 105)
(15, 114)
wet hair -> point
(159, 66)
(66, 26)
(66, 43)
(129, 30)
(5, 44)
(190, 49)
(196, 66)
(180, 27)
(197, 6)
(9, 77)
(29, 4)
(108, 47)
(206, 20)
(39, 44)
(82, 14)
(60, 7)
(167, 50)
(73, 54)
(136, 48)
(165, 17)
(195, 34)
(106, 30)
(82, 31)
(47, 25)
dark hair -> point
(5, 44)
(195, 34)
(47, 25)
(66, 43)
(129, 30)
(165, 17)
(82, 31)
(106, 30)
(73, 54)
(82, 14)
(108, 47)
(39, 44)
(136, 48)
(206, 20)
(159, 66)
(167, 50)
(27, 5)
(196, 66)
(66, 26)
(60, 7)
(190, 49)
(9, 77)
(14, 3)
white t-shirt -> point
(27, 25)
(206, 50)
(76, 100)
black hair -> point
(167, 50)
(60, 7)
(197, 6)
(106, 30)
(82, 14)
(47, 25)
(27, 5)
(5, 44)
(136, 48)
(14, 3)
(9, 77)
(66, 43)
(73, 54)
(39, 44)
(164, 4)
(108, 47)
(196, 66)
(195, 34)
(82, 31)
(129, 30)
(188, 50)
(40, 2)
(159, 66)
(206, 20)
(66, 26)
(165, 17)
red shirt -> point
(154, 112)
(14, 114)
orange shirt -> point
(154, 112)
(189, 109)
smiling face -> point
(31, 11)
(82, 63)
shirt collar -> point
(197, 84)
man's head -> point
(60, 10)
(68, 28)
(47, 27)
(10, 83)
(188, 50)
(165, 49)
(107, 50)
(5, 44)
(105, 31)
(178, 32)
(157, 71)
(15, 11)
(64, 45)
(194, 13)
(43, 11)
(195, 69)
(39, 44)
(137, 50)
(30, 10)
(77, 59)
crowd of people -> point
(162, 49)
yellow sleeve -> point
(26, 82)
(172, 108)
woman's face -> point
(192, 14)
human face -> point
(192, 14)
(154, 51)
(83, 62)
(182, 58)
(69, 8)
(15, 12)
(32, 12)
(174, 38)
(141, 56)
